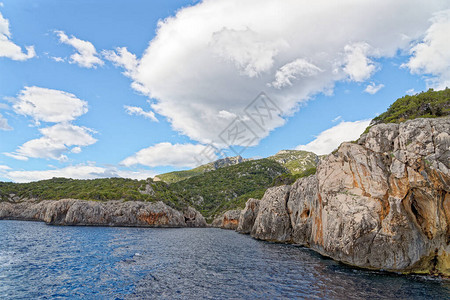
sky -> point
(93, 89)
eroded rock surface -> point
(111, 213)
(248, 216)
(381, 203)
(228, 220)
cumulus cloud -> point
(204, 62)
(55, 141)
(138, 111)
(4, 124)
(58, 59)
(292, 70)
(86, 55)
(250, 53)
(432, 55)
(358, 66)
(49, 105)
(52, 106)
(167, 154)
(373, 88)
(331, 138)
(8, 48)
(121, 57)
(81, 171)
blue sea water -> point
(42, 262)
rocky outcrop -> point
(272, 222)
(380, 203)
(193, 218)
(94, 213)
(248, 216)
(228, 220)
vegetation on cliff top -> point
(429, 104)
(95, 189)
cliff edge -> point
(95, 213)
(380, 203)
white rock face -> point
(383, 203)
(248, 216)
(111, 213)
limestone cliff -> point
(111, 213)
(228, 220)
(380, 203)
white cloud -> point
(58, 59)
(331, 138)
(52, 106)
(251, 54)
(292, 70)
(411, 92)
(40, 148)
(167, 154)
(49, 105)
(8, 48)
(4, 124)
(336, 119)
(86, 55)
(69, 134)
(138, 111)
(81, 171)
(204, 61)
(3, 167)
(76, 150)
(357, 64)
(122, 58)
(55, 141)
(373, 88)
(432, 55)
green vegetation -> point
(429, 104)
(176, 176)
(288, 179)
(295, 161)
(216, 191)
(95, 189)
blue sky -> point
(74, 103)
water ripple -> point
(42, 262)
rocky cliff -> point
(380, 203)
(110, 213)
(228, 220)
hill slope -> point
(176, 176)
(296, 161)
(225, 188)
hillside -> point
(176, 176)
(211, 192)
(228, 187)
(429, 104)
(295, 161)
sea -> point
(39, 261)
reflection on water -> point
(39, 261)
